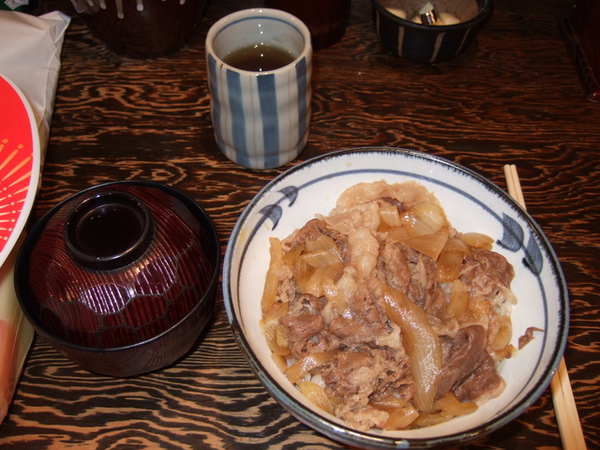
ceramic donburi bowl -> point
(471, 203)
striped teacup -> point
(259, 69)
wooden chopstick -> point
(565, 408)
(513, 184)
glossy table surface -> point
(514, 97)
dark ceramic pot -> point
(142, 28)
(121, 278)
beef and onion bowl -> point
(384, 315)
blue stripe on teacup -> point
(230, 128)
(238, 120)
(303, 85)
(214, 92)
(269, 118)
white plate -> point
(19, 164)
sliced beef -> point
(302, 331)
(360, 329)
(306, 304)
(484, 381)
(528, 336)
(394, 264)
(485, 271)
(355, 376)
(409, 271)
(423, 281)
(464, 356)
(311, 232)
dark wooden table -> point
(514, 97)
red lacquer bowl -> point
(121, 277)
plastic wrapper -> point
(16, 334)
(30, 50)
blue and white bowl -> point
(428, 43)
(471, 203)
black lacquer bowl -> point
(121, 278)
(414, 41)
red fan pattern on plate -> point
(19, 164)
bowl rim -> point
(484, 12)
(21, 273)
(343, 433)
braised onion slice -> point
(321, 258)
(316, 394)
(401, 418)
(424, 218)
(401, 414)
(452, 405)
(421, 342)
(272, 279)
(274, 332)
(460, 300)
(298, 369)
(390, 215)
(429, 244)
(321, 282)
(477, 240)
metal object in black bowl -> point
(121, 278)
(424, 43)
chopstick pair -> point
(565, 408)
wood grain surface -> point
(513, 97)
